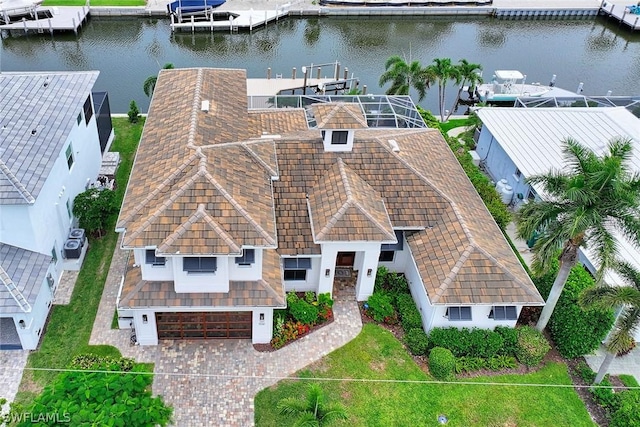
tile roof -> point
(26, 270)
(339, 115)
(276, 121)
(343, 207)
(47, 103)
(266, 292)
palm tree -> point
(620, 340)
(469, 74)
(404, 76)
(443, 70)
(150, 83)
(313, 410)
(583, 205)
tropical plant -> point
(150, 83)
(93, 208)
(469, 73)
(314, 410)
(134, 112)
(442, 71)
(621, 339)
(582, 205)
(404, 76)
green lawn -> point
(95, 3)
(454, 123)
(376, 354)
(69, 328)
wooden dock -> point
(50, 19)
(235, 20)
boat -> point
(193, 6)
(12, 10)
(508, 85)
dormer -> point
(338, 122)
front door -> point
(345, 259)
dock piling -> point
(293, 73)
(269, 73)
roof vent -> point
(205, 106)
(33, 131)
(46, 82)
(394, 146)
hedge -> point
(467, 342)
(532, 346)
(441, 363)
(417, 341)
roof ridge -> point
(16, 183)
(16, 294)
(200, 213)
(341, 106)
(195, 107)
(239, 208)
(442, 289)
(270, 290)
(152, 195)
(255, 156)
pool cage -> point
(631, 103)
(381, 111)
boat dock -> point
(232, 21)
(621, 13)
(46, 20)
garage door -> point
(188, 326)
(9, 339)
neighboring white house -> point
(49, 151)
(228, 208)
(516, 143)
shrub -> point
(465, 342)
(450, 338)
(417, 341)
(605, 396)
(429, 119)
(134, 112)
(409, 314)
(469, 364)
(575, 331)
(325, 300)
(93, 208)
(310, 297)
(303, 312)
(584, 371)
(379, 307)
(532, 346)
(628, 380)
(509, 340)
(627, 414)
(484, 343)
(93, 361)
(441, 363)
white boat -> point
(12, 8)
(507, 85)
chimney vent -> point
(394, 146)
(205, 106)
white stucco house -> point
(516, 143)
(228, 208)
(50, 149)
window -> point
(517, 174)
(503, 312)
(199, 264)
(248, 257)
(386, 256)
(88, 110)
(339, 137)
(458, 313)
(54, 255)
(151, 258)
(531, 195)
(69, 155)
(79, 119)
(69, 210)
(296, 268)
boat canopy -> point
(509, 75)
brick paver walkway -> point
(214, 382)
(12, 363)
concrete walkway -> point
(214, 382)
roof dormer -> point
(338, 122)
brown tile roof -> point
(276, 121)
(266, 292)
(343, 208)
(339, 115)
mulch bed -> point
(267, 348)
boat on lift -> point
(508, 85)
(185, 7)
(11, 10)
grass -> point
(95, 3)
(454, 123)
(69, 328)
(376, 354)
(628, 380)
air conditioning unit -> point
(72, 249)
(77, 234)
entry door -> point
(345, 259)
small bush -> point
(379, 307)
(441, 363)
(310, 297)
(605, 396)
(469, 364)
(509, 340)
(532, 346)
(627, 414)
(417, 341)
(325, 300)
(304, 312)
(93, 361)
(584, 371)
(628, 380)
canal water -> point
(127, 51)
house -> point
(516, 143)
(228, 208)
(50, 149)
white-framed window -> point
(69, 156)
(339, 137)
(517, 174)
(458, 313)
(296, 268)
(54, 254)
(386, 256)
(79, 118)
(503, 312)
(151, 258)
(248, 257)
(69, 209)
(88, 110)
(199, 264)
